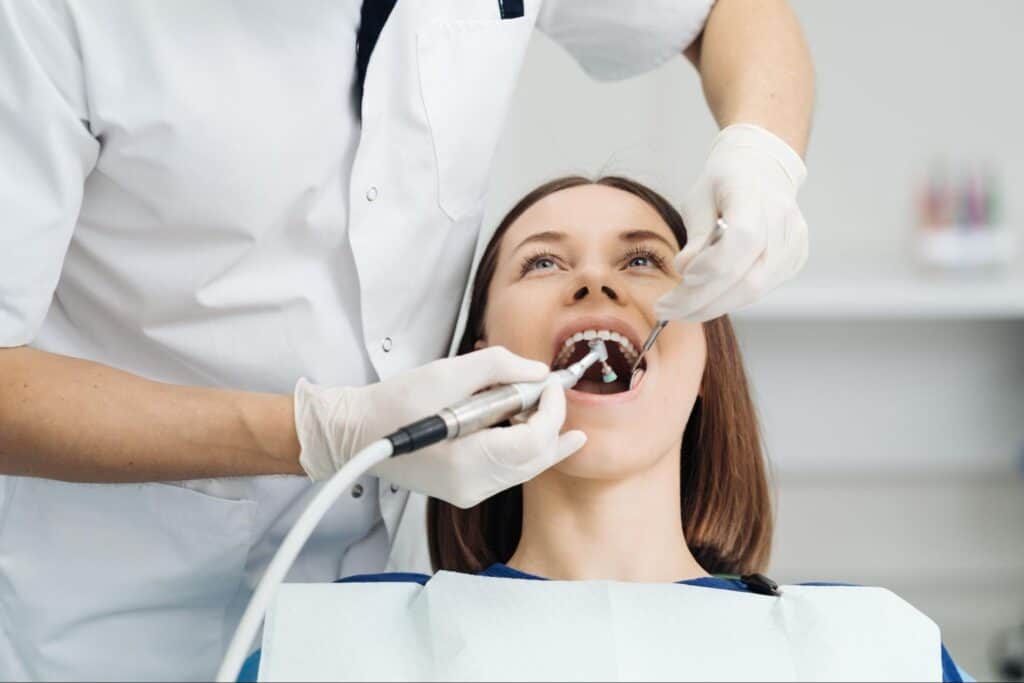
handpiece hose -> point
(477, 412)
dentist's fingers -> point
(719, 267)
(517, 449)
(749, 287)
(798, 237)
(452, 379)
(519, 453)
(474, 467)
(699, 215)
(741, 206)
(776, 265)
(502, 477)
(569, 443)
(751, 179)
(494, 365)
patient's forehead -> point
(587, 212)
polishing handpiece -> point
(491, 407)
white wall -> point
(895, 442)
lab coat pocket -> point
(468, 71)
(117, 581)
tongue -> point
(589, 386)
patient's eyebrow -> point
(627, 236)
(641, 235)
(546, 236)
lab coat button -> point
(357, 490)
(386, 344)
(371, 193)
(394, 488)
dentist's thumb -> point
(522, 451)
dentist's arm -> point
(76, 420)
(755, 68)
(758, 80)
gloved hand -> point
(751, 180)
(334, 423)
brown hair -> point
(726, 505)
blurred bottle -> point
(959, 225)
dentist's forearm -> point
(756, 68)
(76, 420)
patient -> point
(671, 485)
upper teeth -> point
(628, 350)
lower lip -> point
(605, 399)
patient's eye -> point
(639, 257)
(544, 260)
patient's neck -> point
(621, 530)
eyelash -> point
(640, 252)
(636, 252)
(530, 261)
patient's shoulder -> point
(387, 577)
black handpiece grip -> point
(419, 434)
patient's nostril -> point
(581, 293)
(609, 292)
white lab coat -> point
(186, 193)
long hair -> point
(726, 505)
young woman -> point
(671, 484)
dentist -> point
(202, 203)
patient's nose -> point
(584, 291)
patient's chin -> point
(615, 458)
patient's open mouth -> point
(622, 353)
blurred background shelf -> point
(905, 295)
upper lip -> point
(610, 323)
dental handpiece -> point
(490, 407)
(477, 412)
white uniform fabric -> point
(478, 628)
(187, 194)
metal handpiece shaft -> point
(495, 406)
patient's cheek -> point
(522, 327)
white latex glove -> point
(751, 180)
(334, 423)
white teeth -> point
(627, 348)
